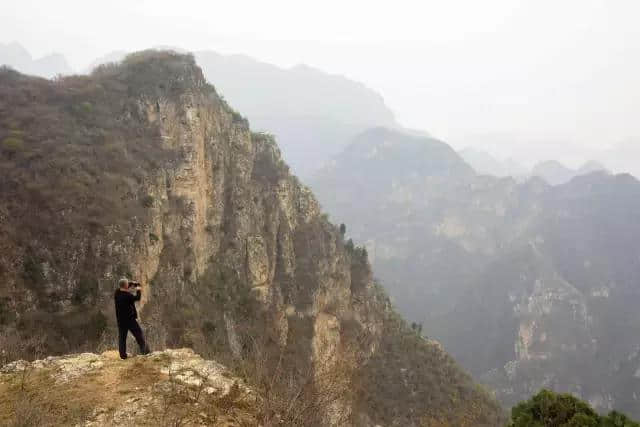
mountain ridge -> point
(142, 169)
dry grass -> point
(35, 398)
(70, 402)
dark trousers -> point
(123, 329)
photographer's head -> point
(124, 283)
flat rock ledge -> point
(170, 387)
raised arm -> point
(133, 298)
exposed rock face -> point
(171, 386)
(528, 285)
(312, 114)
(150, 174)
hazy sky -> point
(529, 78)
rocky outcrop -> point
(174, 387)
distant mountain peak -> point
(486, 164)
(404, 153)
(591, 166)
(555, 173)
(17, 57)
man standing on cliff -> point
(127, 315)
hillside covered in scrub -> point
(141, 169)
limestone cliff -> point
(141, 169)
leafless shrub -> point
(182, 403)
(107, 340)
(172, 412)
(26, 412)
(311, 396)
(13, 346)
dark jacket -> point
(125, 306)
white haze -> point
(529, 79)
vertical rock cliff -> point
(141, 169)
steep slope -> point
(312, 114)
(528, 285)
(17, 57)
(141, 169)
